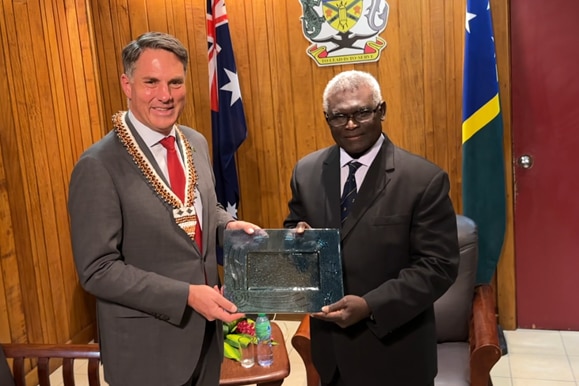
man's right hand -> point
(210, 303)
(302, 226)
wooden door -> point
(545, 102)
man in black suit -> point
(398, 239)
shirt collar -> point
(149, 136)
(367, 158)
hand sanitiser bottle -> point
(264, 344)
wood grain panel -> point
(50, 117)
(505, 276)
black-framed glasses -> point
(359, 116)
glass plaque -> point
(280, 271)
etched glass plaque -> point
(280, 271)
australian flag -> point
(227, 116)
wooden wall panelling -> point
(51, 114)
(506, 267)
(12, 323)
(249, 43)
(112, 25)
(410, 74)
(453, 39)
(198, 111)
(32, 155)
(12, 303)
(306, 124)
(256, 200)
(71, 64)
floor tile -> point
(537, 382)
(81, 366)
(502, 368)
(501, 381)
(56, 377)
(541, 367)
(571, 342)
(574, 361)
(535, 342)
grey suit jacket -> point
(133, 257)
(400, 252)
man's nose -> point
(351, 123)
(164, 93)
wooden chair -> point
(50, 356)
(466, 327)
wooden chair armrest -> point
(302, 343)
(66, 353)
(484, 340)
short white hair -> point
(351, 80)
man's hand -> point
(302, 226)
(210, 303)
(248, 227)
(345, 312)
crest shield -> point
(344, 31)
(342, 15)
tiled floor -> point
(535, 358)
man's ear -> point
(126, 85)
(383, 109)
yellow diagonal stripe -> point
(480, 118)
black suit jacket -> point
(399, 251)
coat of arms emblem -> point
(344, 31)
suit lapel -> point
(373, 186)
(202, 180)
(331, 187)
(145, 149)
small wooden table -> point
(232, 374)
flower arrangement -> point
(238, 334)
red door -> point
(545, 100)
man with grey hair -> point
(398, 240)
(144, 223)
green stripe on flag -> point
(483, 192)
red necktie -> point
(177, 179)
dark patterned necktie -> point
(350, 190)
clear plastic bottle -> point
(263, 335)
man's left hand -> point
(345, 312)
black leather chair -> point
(466, 324)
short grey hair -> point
(152, 40)
(351, 80)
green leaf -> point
(231, 352)
(238, 340)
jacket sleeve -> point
(433, 262)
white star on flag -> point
(232, 209)
(232, 86)
(469, 17)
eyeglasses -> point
(359, 116)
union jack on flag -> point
(227, 115)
